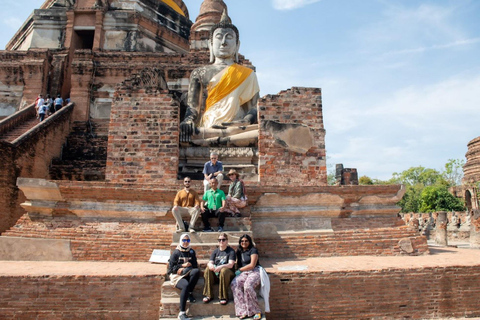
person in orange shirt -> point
(186, 204)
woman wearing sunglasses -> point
(183, 272)
(246, 280)
(220, 267)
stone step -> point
(232, 224)
(211, 237)
(212, 318)
(200, 309)
(20, 129)
(170, 292)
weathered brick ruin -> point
(87, 194)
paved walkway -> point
(439, 257)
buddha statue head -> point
(224, 39)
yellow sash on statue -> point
(174, 6)
(231, 79)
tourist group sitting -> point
(214, 203)
(240, 270)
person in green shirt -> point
(214, 199)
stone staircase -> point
(199, 310)
(84, 154)
(204, 243)
(20, 129)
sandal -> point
(207, 299)
(258, 316)
(223, 302)
(242, 317)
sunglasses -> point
(221, 240)
(186, 240)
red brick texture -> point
(80, 297)
(143, 138)
(278, 166)
(422, 293)
(97, 240)
(341, 243)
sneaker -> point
(191, 230)
(220, 229)
(179, 231)
(183, 316)
(191, 298)
(208, 230)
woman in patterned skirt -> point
(246, 280)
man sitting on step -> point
(186, 203)
(215, 200)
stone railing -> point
(51, 120)
(15, 119)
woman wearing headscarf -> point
(246, 280)
(236, 198)
(183, 272)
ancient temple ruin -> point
(95, 182)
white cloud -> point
(418, 29)
(291, 4)
(458, 43)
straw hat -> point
(232, 171)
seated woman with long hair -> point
(183, 272)
(247, 279)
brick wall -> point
(100, 239)
(341, 243)
(25, 74)
(422, 293)
(143, 137)
(279, 166)
(80, 297)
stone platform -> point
(442, 285)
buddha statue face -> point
(224, 43)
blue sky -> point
(400, 78)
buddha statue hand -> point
(187, 129)
(250, 118)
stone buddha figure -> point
(222, 97)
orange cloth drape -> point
(231, 79)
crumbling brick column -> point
(291, 140)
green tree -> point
(453, 171)
(411, 200)
(426, 190)
(437, 198)
(366, 181)
(418, 175)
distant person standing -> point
(42, 111)
(49, 101)
(38, 103)
(58, 102)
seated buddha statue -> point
(222, 97)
